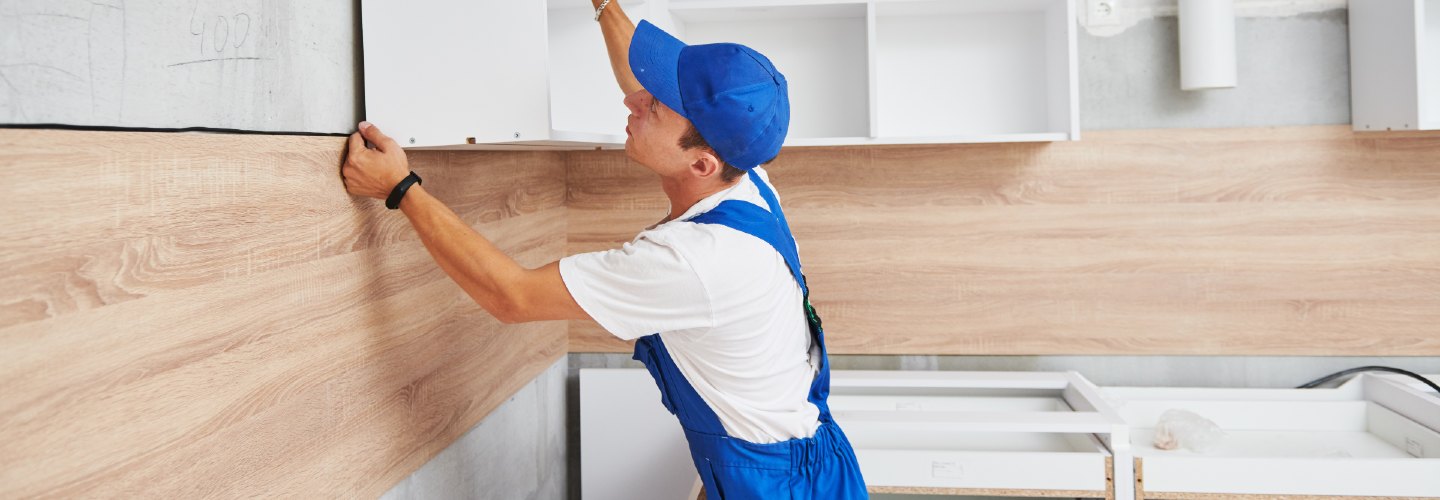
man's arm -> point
(510, 292)
(618, 30)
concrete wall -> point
(1291, 71)
(229, 64)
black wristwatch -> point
(393, 201)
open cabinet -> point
(493, 74)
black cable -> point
(1317, 382)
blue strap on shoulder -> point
(769, 226)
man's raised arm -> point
(618, 29)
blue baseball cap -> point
(735, 97)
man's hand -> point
(373, 172)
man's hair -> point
(692, 139)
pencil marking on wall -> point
(243, 64)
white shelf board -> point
(983, 470)
(733, 12)
(952, 7)
(1430, 66)
(1372, 477)
(945, 139)
(931, 402)
(559, 140)
(844, 379)
(865, 436)
(1279, 444)
(629, 5)
(982, 421)
(676, 5)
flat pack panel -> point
(956, 74)
(1294, 476)
(630, 447)
(1430, 66)
(1267, 415)
(1062, 68)
(1407, 397)
(962, 7)
(942, 403)
(440, 72)
(820, 49)
(1241, 443)
(1383, 59)
(879, 436)
(954, 469)
(237, 64)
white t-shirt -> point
(727, 308)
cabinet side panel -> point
(1429, 58)
(1383, 77)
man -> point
(739, 356)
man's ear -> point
(705, 163)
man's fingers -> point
(376, 137)
(357, 143)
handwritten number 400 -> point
(223, 32)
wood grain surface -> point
(202, 315)
(1274, 241)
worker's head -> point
(712, 111)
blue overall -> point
(821, 467)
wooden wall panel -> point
(190, 315)
(1282, 241)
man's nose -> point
(635, 102)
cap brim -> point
(654, 58)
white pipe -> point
(1207, 44)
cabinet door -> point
(438, 72)
(1384, 72)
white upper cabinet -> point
(496, 74)
(1395, 64)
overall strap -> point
(771, 227)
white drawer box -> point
(1349, 441)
